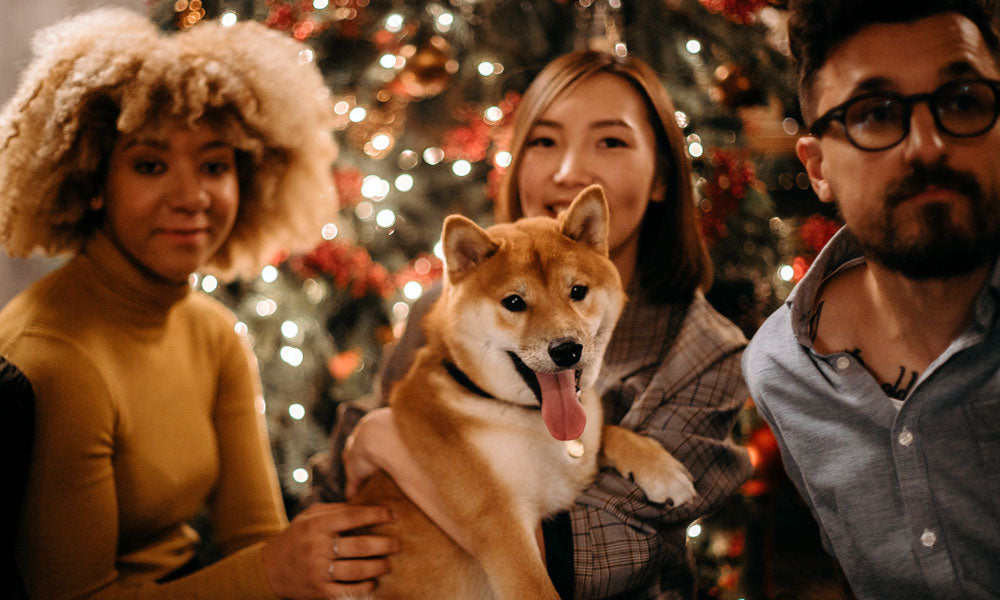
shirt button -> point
(843, 362)
(928, 538)
(905, 438)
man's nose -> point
(925, 143)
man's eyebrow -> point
(959, 68)
(873, 84)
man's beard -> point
(943, 249)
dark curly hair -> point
(817, 27)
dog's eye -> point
(578, 292)
(514, 303)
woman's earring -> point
(96, 203)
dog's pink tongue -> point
(561, 410)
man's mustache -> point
(938, 175)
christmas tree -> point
(424, 92)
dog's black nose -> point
(565, 353)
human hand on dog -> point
(309, 560)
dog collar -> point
(463, 380)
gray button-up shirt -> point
(907, 492)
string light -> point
(408, 159)
(289, 329)
(461, 168)
(385, 218)
(228, 18)
(357, 114)
(209, 283)
(266, 307)
(433, 155)
(786, 272)
(296, 411)
(693, 46)
(329, 231)
(300, 475)
(493, 114)
(485, 68)
(291, 355)
(364, 210)
(400, 310)
(394, 22)
(404, 182)
(694, 530)
(413, 290)
(375, 188)
(388, 61)
(269, 274)
(503, 159)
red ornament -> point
(816, 231)
(348, 182)
(425, 269)
(740, 11)
(729, 178)
(348, 266)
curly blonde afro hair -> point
(110, 72)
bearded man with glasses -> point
(880, 375)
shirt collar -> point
(843, 251)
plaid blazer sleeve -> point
(622, 544)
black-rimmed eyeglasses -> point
(880, 120)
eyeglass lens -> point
(962, 109)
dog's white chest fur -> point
(545, 474)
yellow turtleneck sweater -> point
(145, 414)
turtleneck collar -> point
(141, 294)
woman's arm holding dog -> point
(376, 444)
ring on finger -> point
(336, 547)
(329, 571)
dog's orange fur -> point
(497, 469)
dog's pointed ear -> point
(465, 245)
(586, 219)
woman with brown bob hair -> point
(672, 369)
(145, 157)
(669, 228)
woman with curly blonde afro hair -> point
(145, 157)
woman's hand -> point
(310, 560)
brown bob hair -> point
(673, 261)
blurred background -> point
(424, 91)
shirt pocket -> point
(984, 421)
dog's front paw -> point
(665, 480)
(661, 476)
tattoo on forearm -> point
(893, 390)
(814, 321)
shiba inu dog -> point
(498, 409)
